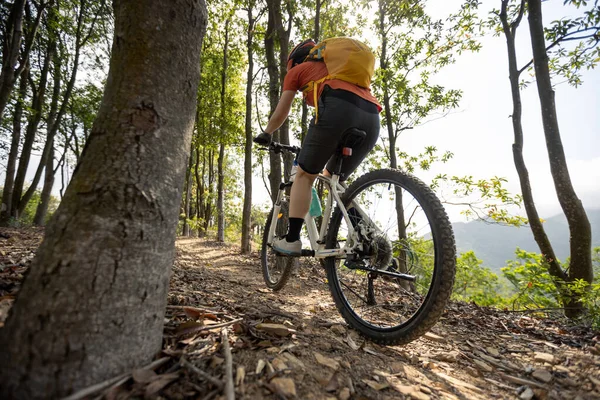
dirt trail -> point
(308, 352)
(473, 353)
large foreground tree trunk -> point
(580, 265)
(93, 303)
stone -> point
(527, 394)
(434, 338)
(274, 329)
(483, 366)
(279, 364)
(543, 357)
(285, 386)
(326, 361)
(344, 394)
(338, 329)
(542, 375)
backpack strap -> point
(314, 86)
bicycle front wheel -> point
(276, 269)
(404, 229)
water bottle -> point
(293, 171)
(315, 209)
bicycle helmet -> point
(299, 53)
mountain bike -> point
(387, 247)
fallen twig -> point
(229, 390)
(203, 374)
(209, 327)
(521, 381)
(113, 381)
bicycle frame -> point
(316, 238)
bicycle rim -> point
(276, 269)
(393, 310)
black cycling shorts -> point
(339, 110)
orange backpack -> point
(346, 59)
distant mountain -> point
(495, 244)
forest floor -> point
(293, 343)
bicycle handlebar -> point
(285, 148)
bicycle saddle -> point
(352, 138)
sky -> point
(480, 134)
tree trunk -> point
(200, 189)
(402, 259)
(32, 125)
(92, 306)
(12, 49)
(247, 207)
(283, 35)
(7, 193)
(580, 265)
(221, 160)
(221, 194)
(537, 229)
(10, 53)
(52, 129)
(209, 198)
(274, 159)
(42, 209)
(188, 194)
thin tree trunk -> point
(209, 199)
(7, 193)
(42, 209)
(537, 229)
(188, 193)
(220, 194)
(92, 305)
(283, 35)
(274, 159)
(247, 207)
(199, 189)
(12, 49)
(580, 264)
(392, 137)
(80, 40)
(221, 160)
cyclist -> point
(341, 106)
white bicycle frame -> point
(317, 239)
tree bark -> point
(92, 306)
(247, 206)
(580, 265)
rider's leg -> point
(299, 202)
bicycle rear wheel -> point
(276, 269)
(407, 231)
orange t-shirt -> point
(308, 71)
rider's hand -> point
(263, 139)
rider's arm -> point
(281, 111)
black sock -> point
(294, 229)
(355, 217)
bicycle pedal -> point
(354, 264)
